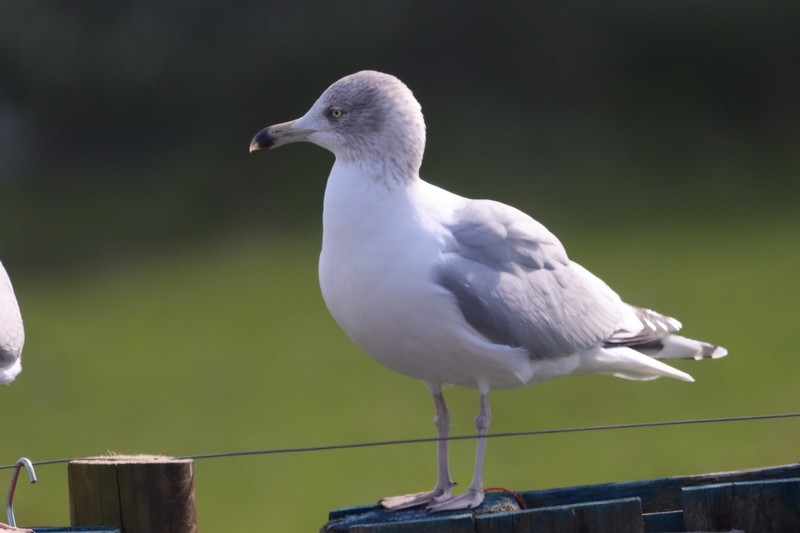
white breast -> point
(380, 252)
(12, 334)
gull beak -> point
(279, 134)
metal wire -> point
(534, 432)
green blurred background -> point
(168, 279)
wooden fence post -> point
(137, 493)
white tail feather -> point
(626, 363)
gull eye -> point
(336, 112)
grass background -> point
(227, 346)
(168, 280)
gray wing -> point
(515, 285)
(12, 335)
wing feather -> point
(515, 285)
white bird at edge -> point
(12, 334)
(451, 290)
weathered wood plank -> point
(360, 510)
(619, 516)
(763, 506)
(657, 495)
(368, 518)
(667, 522)
(452, 524)
(93, 494)
(495, 523)
(661, 501)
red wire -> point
(516, 495)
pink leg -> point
(474, 495)
(443, 482)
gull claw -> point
(6, 527)
(407, 501)
(469, 500)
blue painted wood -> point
(657, 495)
(763, 506)
(619, 516)
(344, 512)
(454, 524)
(660, 501)
(356, 519)
(495, 523)
(666, 522)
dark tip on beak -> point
(263, 139)
(278, 135)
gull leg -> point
(474, 495)
(444, 484)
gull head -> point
(365, 118)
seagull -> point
(12, 335)
(455, 291)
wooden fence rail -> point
(763, 500)
(154, 494)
